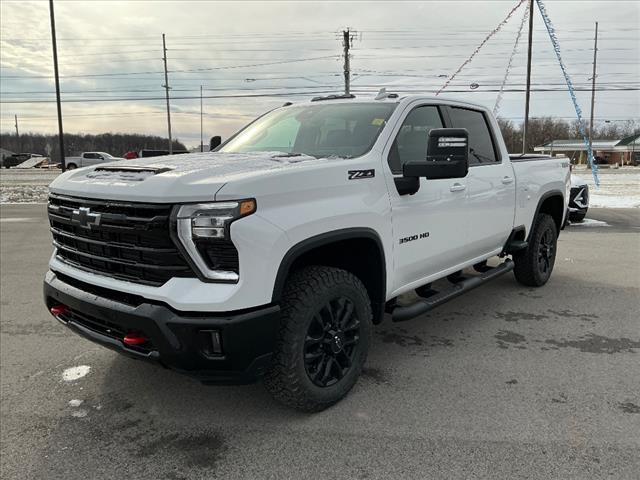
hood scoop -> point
(133, 168)
(126, 173)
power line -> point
(195, 70)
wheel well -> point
(553, 205)
(362, 256)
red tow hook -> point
(133, 339)
(58, 310)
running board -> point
(424, 305)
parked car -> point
(18, 158)
(89, 158)
(274, 256)
(578, 199)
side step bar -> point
(424, 305)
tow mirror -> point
(215, 142)
(447, 155)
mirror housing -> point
(215, 142)
(447, 155)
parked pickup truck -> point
(89, 158)
(275, 255)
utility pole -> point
(166, 89)
(346, 44)
(525, 126)
(57, 78)
(593, 84)
(201, 145)
(18, 134)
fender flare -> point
(326, 238)
(545, 196)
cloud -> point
(403, 45)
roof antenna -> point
(382, 94)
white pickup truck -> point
(274, 256)
(87, 159)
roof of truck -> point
(394, 98)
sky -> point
(250, 57)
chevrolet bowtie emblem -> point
(83, 217)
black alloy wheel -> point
(331, 342)
(546, 251)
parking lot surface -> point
(505, 382)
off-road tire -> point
(306, 292)
(529, 263)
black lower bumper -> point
(181, 341)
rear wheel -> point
(533, 265)
(323, 341)
(72, 166)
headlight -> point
(204, 231)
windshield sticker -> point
(377, 121)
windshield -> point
(323, 130)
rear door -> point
(490, 197)
(429, 226)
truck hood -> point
(173, 178)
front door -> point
(429, 227)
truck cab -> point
(274, 256)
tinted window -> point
(411, 141)
(480, 144)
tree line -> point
(545, 129)
(114, 143)
(541, 130)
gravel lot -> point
(505, 382)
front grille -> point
(127, 241)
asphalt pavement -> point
(504, 382)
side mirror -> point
(215, 142)
(447, 155)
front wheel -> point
(323, 339)
(534, 264)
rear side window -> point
(411, 141)
(481, 149)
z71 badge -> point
(360, 174)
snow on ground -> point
(25, 186)
(619, 188)
(75, 373)
(590, 222)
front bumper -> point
(579, 199)
(177, 340)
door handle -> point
(506, 180)
(457, 187)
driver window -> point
(411, 141)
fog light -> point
(212, 342)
